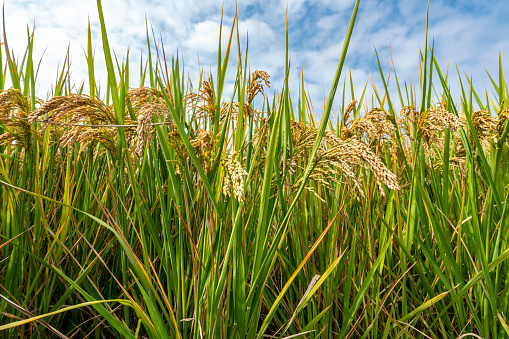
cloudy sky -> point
(468, 34)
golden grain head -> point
(484, 123)
(345, 120)
(375, 125)
(204, 147)
(143, 130)
(139, 96)
(207, 98)
(433, 122)
(442, 117)
(13, 104)
(234, 179)
(259, 79)
(74, 109)
(486, 127)
(409, 113)
(338, 157)
(503, 114)
(89, 137)
(145, 113)
(13, 115)
(233, 109)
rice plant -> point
(174, 211)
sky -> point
(467, 34)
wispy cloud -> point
(468, 34)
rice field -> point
(167, 209)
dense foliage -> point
(164, 211)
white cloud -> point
(204, 36)
(317, 29)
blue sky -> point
(468, 34)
